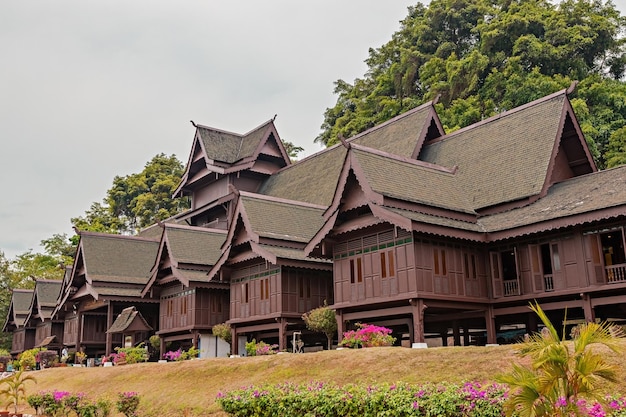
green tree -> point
(482, 57)
(561, 372)
(292, 150)
(222, 331)
(323, 320)
(137, 200)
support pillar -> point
(108, 345)
(490, 322)
(340, 325)
(162, 348)
(234, 341)
(194, 340)
(532, 323)
(282, 334)
(590, 315)
(444, 336)
(455, 333)
(466, 336)
(418, 320)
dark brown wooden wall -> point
(261, 289)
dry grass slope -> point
(189, 388)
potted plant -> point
(15, 389)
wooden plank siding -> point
(93, 328)
(390, 264)
(70, 330)
(264, 289)
(191, 307)
(581, 260)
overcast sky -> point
(90, 90)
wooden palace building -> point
(445, 238)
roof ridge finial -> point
(436, 99)
(343, 140)
(571, 87)
(194, 124)
(274, 118)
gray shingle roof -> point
(117, 259)
(579, 195)
(231, 147)
(22, 300)
(576, 196)
(119, 292)
(194, 245)
(398, 136)
(410, 181)
(126, 318)
(47, 292)
(313, 179)
(291, 253)
(504, 158)
(282, 219)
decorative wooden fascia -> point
(370, 195)
(433, 117)
(220, 263)
(239, 215)
(197, 143)
(322, 233)
(84, 291)
(162, 253)
(350, 164)
(390, 217)
(567, 111)
(176, 273)
(199, 210)
(78, 263)
(268, 256)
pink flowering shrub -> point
(367, 335)
(127, 403)
(63, 403)
(255, 348)
(318, 399)
(173, 355)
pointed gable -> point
(313, 179)
(508, 157)
(45, 296)
(129, 320)
(404, 134)
(186, 253)
(270, 228)
(217, 152)
(117, 259)
(110, 265)
(19, 309)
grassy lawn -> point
(189, 388)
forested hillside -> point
(482, 57)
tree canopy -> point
(137, 200)
(482, 57)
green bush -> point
(223, 332)
(326, 400)
(134, 354)
(27, 358)
(322, 400)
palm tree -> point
(14, 388)
(561, 373)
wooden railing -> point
(511, 287)
(548, 283)
(615, 273)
